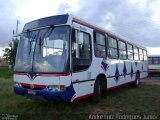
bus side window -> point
(155, 60)
(150, 60)
(100, 45)
(141, 54)
(136, 53)
(122, 50)
(81, 53)
(130, 52)
(113, 48)
(145, 55)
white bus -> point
(65, 58)
(154, 64)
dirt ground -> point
(151, 80)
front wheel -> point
(97, 91)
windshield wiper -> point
(29, 36)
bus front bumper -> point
(67, 95)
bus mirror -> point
(13, 41)
(80, 38)
(76, 48)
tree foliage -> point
(10, 52)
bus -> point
(65, 58)
(153, 64)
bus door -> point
(81, 59)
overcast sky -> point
(138, 20)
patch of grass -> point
(125, 100)
(6, 72)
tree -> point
(10, 52)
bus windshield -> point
(44, 50)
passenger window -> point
(150, 60)
(140, 54)
(130, 52)
(136, 53)
(122, 50)
(145, 55)
(99, 45)
(155, 60)
(113, 53)
(81, 53)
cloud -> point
(138, 20)
(25, 11)
(7, 22)
(1, 52)
(153, 51)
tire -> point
(97, 91)
(137, 81)
(103, 90)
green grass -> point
(125, 100)
(6, 72)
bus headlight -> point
(56, 87)
(17, 84)
(53, 87)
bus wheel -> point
(97, 91)
(137, 81)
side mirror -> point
(80, 38)
(76, 48)
(13, 41)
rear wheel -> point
(97, 91)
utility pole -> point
(18, 22)
(15, 33)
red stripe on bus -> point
(143, 78)
(35, 85)
(45, 74)
(114, 87)
(25, 84)
(54, 74)
(84, 96)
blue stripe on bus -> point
(66, 95)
